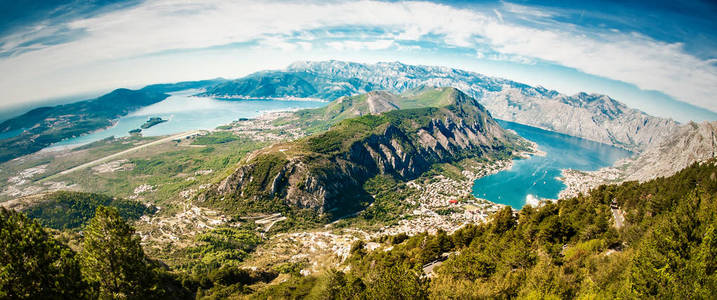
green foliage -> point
(395, 282)
(218, 137)
(292, 268)
(222, 246)
(343, 134)
(112, 259)
(33, 264)
(388, 207)
(230, 279)
(70, 210)
(385, 282)
(292, 288)
(568, 249)
(503, 220)
(167, 168)
(346, 158)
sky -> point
(657, 56)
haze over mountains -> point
(594, 117)
(44, 126)
(591, 116)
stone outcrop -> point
(692, 142)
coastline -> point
(240, 97)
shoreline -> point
(238, 97)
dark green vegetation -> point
(564, 250)
(70, 210)
(152, 122)
(219, 137)
(221, 246)
(111, 264)
(33, 264)
(569, 249)
(388, 205)
(112, 260)
(326, 172)
(47, 125)
(263, 84)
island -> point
(152, 122)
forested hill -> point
(44, 126)
(666, 249)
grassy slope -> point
(320, 119)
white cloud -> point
(277, 43)
(361, 45)
(164, 25)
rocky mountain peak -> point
(591, 116)
(444, 125)
(381, 101)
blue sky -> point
(660, 57)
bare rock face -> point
(693, 142)
(590, 116)
(690, 143)
(381, 101)
(401, 147)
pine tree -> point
(33, 264)
(112, 258)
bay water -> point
(535, 178)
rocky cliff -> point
(326, 171)
(594, 117)
(690, 143)
(693, 142)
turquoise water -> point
(185, 112)
(536, 177)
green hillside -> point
(564, 250)
(326, 171)
(320, 119)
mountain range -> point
(590, 116)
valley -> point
(173, 173)
(358, 149)
(297, 193)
